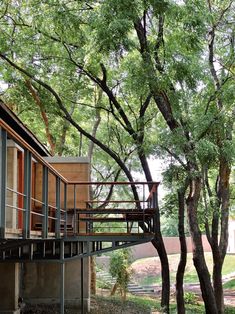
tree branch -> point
(38, 102)
(159, 42)
(175, 156)
(68, 117)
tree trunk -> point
(219, 250)
(165, 297)
(93, 275)
(38, 102)
(183, 253)
(159, 245)
(198, 252)
(114, 289)
(218, 284)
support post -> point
(82, 280)
(62, 273)
(45, 202)
(3, 180)
(155, 205)
(27, 193)
(65, 210)
(57, 231)
(75, 212)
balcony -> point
(45, 215)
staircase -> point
(133, 288)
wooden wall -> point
(72, 171)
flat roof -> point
(18, 126)
(67, 160)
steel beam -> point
(155, 206)
(62, 274)
(3, 180)
(112, 237)
(82, 280)
(62, 258)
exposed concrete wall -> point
(9, 288)
(172, 245)
(41, 283)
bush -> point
(190, 298)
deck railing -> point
(65, 213)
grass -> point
(150, 280)
(190, 272)
(230, 284)
(144, 304)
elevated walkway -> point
(44, 217)
(46, 210)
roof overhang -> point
(17, 125)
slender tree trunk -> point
(218, 284)
(198, 252)
(114, 289)
(158, 243)
(165, 297)
(38, 102)
(90, 154)
(219, 250)
(183, 252)
(93, 275)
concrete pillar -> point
(9, 288)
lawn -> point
(230, 284)
(143, 304)
(147, 271)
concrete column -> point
(9, 288)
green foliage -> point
(103, 284)
(228, 150)
(119, 267)
(190, 298)
(84, 48)
(207, 152)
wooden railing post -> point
(3, 180)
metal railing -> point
(60, 208)
(123, 215)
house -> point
(48, 224)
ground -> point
(98, 306)
(148, 268)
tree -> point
(176, 181)
(119, 268)
(155, 62)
